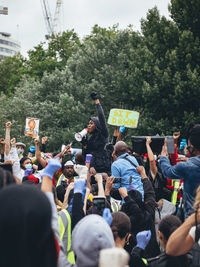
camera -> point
(64, 183)
(117, 180)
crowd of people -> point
(105, 206)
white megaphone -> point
(79, 136)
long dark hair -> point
(27, 239)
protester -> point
(6, 178)
(67, 175)
(25, 228)
(166, 227)
(188, 171)
(183, 239)
(141, 213)
(155, 175)
(125, 168)
(121, 228)
(96, 234)
(95, 145)
(2, 142)
(20, 149)
(90, 210)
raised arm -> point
(152, 164)
(99, 180)
(7, 138)
(38, 153)
(43, 147)
(2, 142)
(100, 114)
(180, 241)
(172, 172)
(51, 168)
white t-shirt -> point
(192, 234)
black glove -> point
(94, 95)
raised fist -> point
(13, 141)
(2, 141)
(44, 139)
(94, 96)
(37, 140)
(8, 124)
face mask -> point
(20, 151)
(28, 166)
(191, 151)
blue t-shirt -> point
(124, 169)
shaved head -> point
(120, 148)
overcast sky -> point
(26, 23)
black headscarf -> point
(27, 239)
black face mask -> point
(191, 151)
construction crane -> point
(52, 25)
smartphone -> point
(170, 144)
(117, 180)
(99, 204)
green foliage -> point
(48, 100)
(11, 70)
(45, 57)
(155, 72)
(186, 15)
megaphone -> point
(79, 136)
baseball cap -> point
(69, 163)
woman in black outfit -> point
(95, 145)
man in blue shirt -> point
(125, 167)
(188, 171)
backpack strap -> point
(129, 161)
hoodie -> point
(97, 141)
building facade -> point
(8, 46)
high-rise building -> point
(8, 46)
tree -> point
(186, 15)
(48, 100)
(11, 71)
(58, 51)
(41, 59)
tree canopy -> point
(155, 71)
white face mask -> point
(28, 166)
(20, 151)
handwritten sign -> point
(123, 117)
(32, 127)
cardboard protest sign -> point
(32, 127)
(123, 117)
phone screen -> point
(117, 180)
(99, 205)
